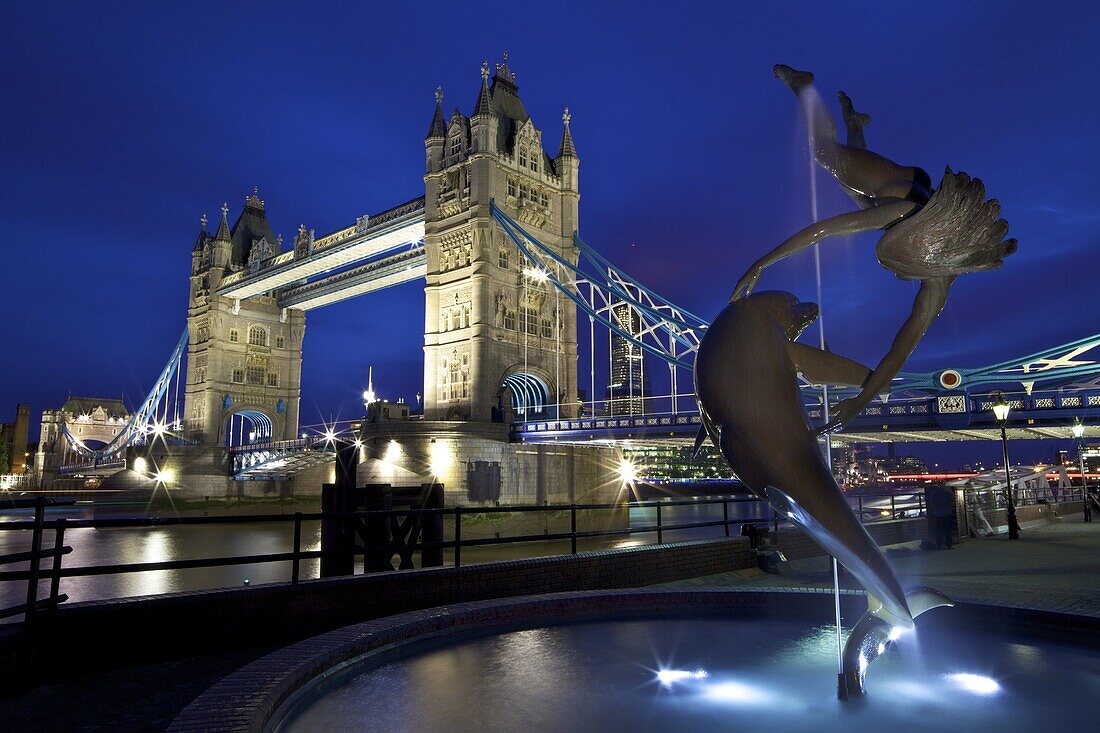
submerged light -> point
(976, 683)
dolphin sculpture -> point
(746, 383)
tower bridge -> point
(494, 238)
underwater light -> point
(667, 676)
(736, 692)
(976, 683)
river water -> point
(106, 546)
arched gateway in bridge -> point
(494, 327)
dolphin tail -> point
(875, 630)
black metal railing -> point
(869, 507)
(34, 557)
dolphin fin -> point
(700, 438)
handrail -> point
(903, 501)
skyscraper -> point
(628, 383)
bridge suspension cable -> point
(145, 420)
(667, 331)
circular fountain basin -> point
(651, 661)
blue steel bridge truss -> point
(157, 417)
(1047, 390)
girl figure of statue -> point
(928, 236)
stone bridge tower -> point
(498, 339)
(244, 358)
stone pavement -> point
(1053, 567)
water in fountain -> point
(711, 675)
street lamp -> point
(1000, 411)
(1079, 434)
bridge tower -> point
(244, 357)
(498, 338)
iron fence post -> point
(726, 516)
(36, 548)
(660, 534)
(862, 519)
(458, 537)
(893, 508)
(58, 544)
(573, 528)
(295, 571)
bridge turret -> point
(202, 247)
(222, 246)
(484, 124)
(437, 136)
(567, 164)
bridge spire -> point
(566, 149)
(482, 108)
(200, 241)
(223, 228)
(438, 129)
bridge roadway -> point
(1039, 416)
(401, 226)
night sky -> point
(124, 123)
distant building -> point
(90, 421)
(628, 385)
(13, 442)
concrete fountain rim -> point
(259, 696)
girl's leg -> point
(854, 122)
(860, 171)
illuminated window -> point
(255, 375)
(234, 337)
(272, 380)
(238, 376)
(280, 342)
(257, 336)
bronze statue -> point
(746, 381)
(747, 365)
(930, 236)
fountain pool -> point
(708, 675)
(639, 660)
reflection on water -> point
(719, 676)
(109, 546)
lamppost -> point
(1000, 411)
(1079, 434)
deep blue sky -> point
(123, 123)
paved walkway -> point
(1053, 567)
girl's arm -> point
(851, 223)
(929, 302)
